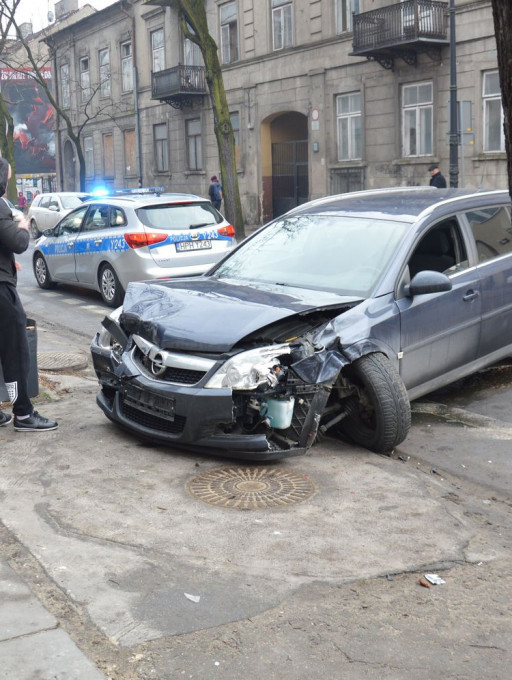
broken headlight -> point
(105, 339)
(249, 370)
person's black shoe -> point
(5, 418)
(34, 423)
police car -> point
(107, 242)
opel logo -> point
(157, 365)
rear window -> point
(179, 216)
(70, 202)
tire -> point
(43, 278)
(34, 230)
(379, 418)
(110, 287)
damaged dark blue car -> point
(329, 319)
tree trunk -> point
(502, 13)
(7, 148)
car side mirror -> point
(426, 282)
(49, 232)
(53, 208)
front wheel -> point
(43, 278)
(34, 230)
(110, 287)
(378, 414)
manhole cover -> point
(251, 488)
(61, 361)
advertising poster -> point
(33, 116)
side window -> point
(97, 218)
(492, 231)
(71, 223)
(53, 203)
(45, 202)
(441, 249)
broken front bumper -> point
(190, 417)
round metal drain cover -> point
(61, 361)
(251, 488)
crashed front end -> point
(259, 401)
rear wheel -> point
(378, 414)
(110, 287)
(43, 278)
(34, 230)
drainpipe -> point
(135, 96)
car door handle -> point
(98, 242)
(71, 244)
(470, 295)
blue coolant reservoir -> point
(279, 412)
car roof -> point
(402, 203)
(145, 199)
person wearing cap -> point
(436, 178)
(215, 192)
(14, 351)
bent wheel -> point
(379, 417)
(110, 287)
(41, 272)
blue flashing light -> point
(99, 191)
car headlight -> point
(248, 370)
(105, 339)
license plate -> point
(150, 403)
(204, 244)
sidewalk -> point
(393, 622)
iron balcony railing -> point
(409, 22)
(177, 81)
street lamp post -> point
(454, 132)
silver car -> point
(104, 244)
(47, 209)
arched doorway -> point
(284, 162)
(69, 179)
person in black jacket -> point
(436, 178)
(14, 352)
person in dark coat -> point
(215, 192)
(14, 351)
(436, 178)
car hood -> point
(211, 315)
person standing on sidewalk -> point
(215, 192)
(436, 177)
(14, 352)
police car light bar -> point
(141, 190)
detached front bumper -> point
(187, 417)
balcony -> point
(402, 30)
(178, 86)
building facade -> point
(326, 96)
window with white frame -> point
(85, 80)
(344, 11)
(104, 61)
(157, 50)
(161, 147)
(89, 156)
(417, 119)
(191, 53)
(348, 116)
(494, 137)
(282, 24)
(228, 33)
(65, 91)
(126, 67)
(194, 144)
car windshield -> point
(179, 215)
(70, 202)
(343, 254)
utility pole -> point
(454, 131)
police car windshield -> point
(179, 215)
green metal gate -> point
(290, 183)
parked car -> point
(16, 212)
(330, 319)
(47, 209)
(104, 244)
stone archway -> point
(69, 179)
(284, 153)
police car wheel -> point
(43, 278)
(110, 288)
